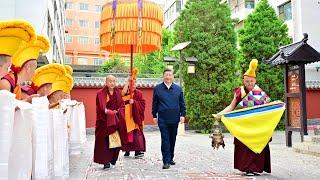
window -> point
(97, 24)
(68, 39)
(98, 8)
(68, 5)
(68, 22)
(84, 6)
(97, 61)
(285, 11)
(249, 4)
(82, 61)
(83, 40)
(67, 60)
(172, 9)
(166, 15)
(97, 41)
(83, 23)
(178, 6)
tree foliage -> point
(207, 24)
(115, 65)
(260, 38)
(151, 63)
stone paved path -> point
(195, 160)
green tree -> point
(260, 38)
(114, 65)
(153, 63)
(207, 24)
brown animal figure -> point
(217, 136)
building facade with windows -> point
(172, 9)
(48, 18)
(83, 38)
(299, 15)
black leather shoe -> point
(166, 166)
(138, 154)
(106, 166)
(127, 154)
(173, 163)
(113, 162)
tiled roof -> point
(313, 84)
(97, 82)
(94, 82)
(299, 52)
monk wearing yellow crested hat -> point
(67, 91)
(12, 33)
(249, 95)
(59, 88)
(23, 66)
(45, 76)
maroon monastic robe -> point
(107, 124)
(28, 90)
(138, 107)
(246, 160)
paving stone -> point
(195, 160)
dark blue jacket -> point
(168, 104)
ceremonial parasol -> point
(131, 26)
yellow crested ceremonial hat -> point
(12, 33)
(68, 87)
(62, 83)
(28, 51)
(69, 69)
(251, 72)
(47, 74)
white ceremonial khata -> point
(20, 157)
(42, 142)
(76, 124)
(61, 152)
(7, 107)
(82, 122)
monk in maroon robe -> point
(134, 121)
(245, 159)
(110, 118)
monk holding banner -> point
(134, 116)
(111, 130)
(253, 125)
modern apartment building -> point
(47, 16)
(172, 9)
(299, 15)
(83, 38)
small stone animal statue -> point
(217, 136)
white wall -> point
(310, 22)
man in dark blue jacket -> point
(168, 109)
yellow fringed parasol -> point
(131, 26)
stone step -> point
(307, 148)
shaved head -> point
(110, 77)
(5, 62)
(111, 82)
